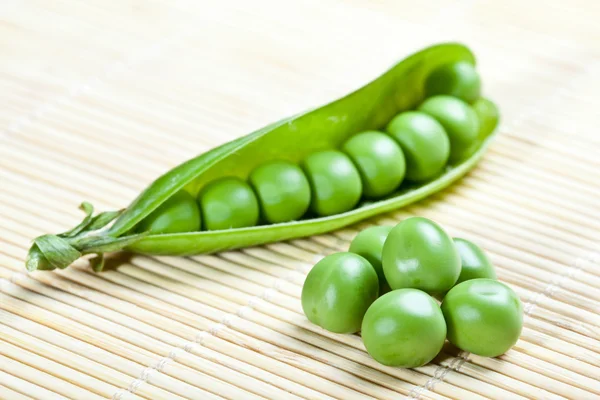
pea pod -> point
(292, 139)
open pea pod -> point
(292, 139)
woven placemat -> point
(100, 97)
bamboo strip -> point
(156, 321)
(498, 169)
(193, 298)
(53, 352)
(26, 388)
(558, 373)
(99, 388)
(77, 346)
(577, 149)
(211, 368)
(549, 340)
(45, 380)
(151, 347)
(6, 393)
(19, 307)
(314, 381)
(238, 353)
(548, 161)
(518, 218)
(577, 233)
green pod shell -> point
(459, 121)
(338, 291)
(291, 139)
(379, 160)
(484, 317)
(282, 190)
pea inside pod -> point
(459, 121)
(282, 190)
(379, 161)
(228, 203)
(424, 143)
(179, 213)
(458, 79)
(334, 180)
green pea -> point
(379, 160)
(488, 115)
(369, 244)
(404, 328)
(458, 79)
(228, 203)
(424, 143)
(334, 181)
(484, 317)
(338, 291)
(419, 254)
(459, 121)
(474, 262)
(282, 190)
(179, 213)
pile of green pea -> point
(410, 264)
(417, 145)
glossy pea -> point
(404, 328)
(228, 203)
(484, 317)
(419, 254)
(379, 160)
(459, 79)
(335, 182)
(338, 290)
(488, 115)
(179, 213)
(424, 142)
(282, 189)
(369, 244)
(474, 262)
(459, 121)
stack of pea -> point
(410, 264)
(417, 146)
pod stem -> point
(49, 252)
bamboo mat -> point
(100, 97)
